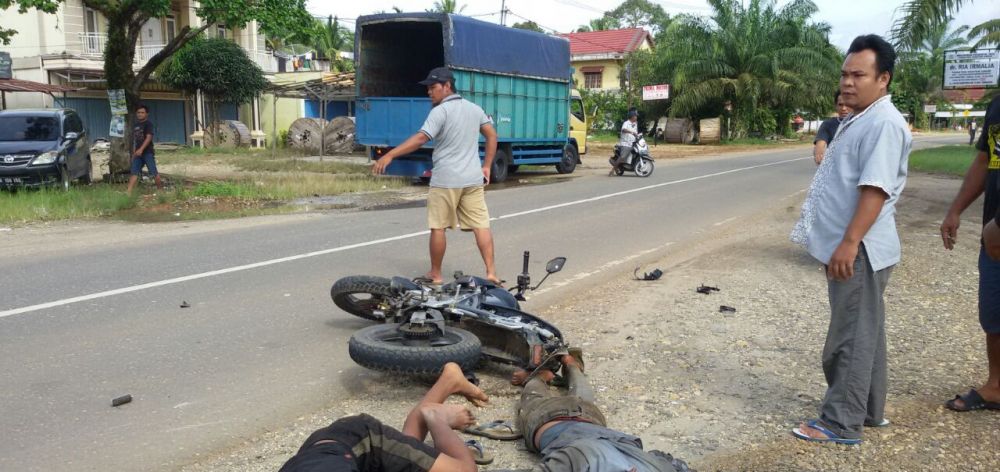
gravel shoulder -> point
(723, 390)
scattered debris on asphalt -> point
(185, 304)
(121, 400)
(726, 309)
(706, 289)
(654, 275)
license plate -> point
(10, 180)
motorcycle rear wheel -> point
(361, 295)
(382, 347)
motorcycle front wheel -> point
(644, 168)
(385, 348)
(361, 295)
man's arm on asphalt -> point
(486, 129)
(411, 144)
(841, 265)
(972, 188)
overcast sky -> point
(849, 18)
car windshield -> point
(29, 128)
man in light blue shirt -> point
(848, 223)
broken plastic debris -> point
(121, 400)
(726, 309)
(185, 304)
(706, 289)
(654, 275)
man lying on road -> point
(570, 432)
(363, 444)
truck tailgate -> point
(388, 121)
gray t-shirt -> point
(870, 148)
(453, 125)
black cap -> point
(437, 75)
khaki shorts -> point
(453, 207)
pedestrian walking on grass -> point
(983, 176)
(143, 153)
(457, 195)
(848, 224)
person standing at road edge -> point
(457, 194)
(983, 176)
(828, 129)
(848, 224)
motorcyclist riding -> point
(628, 135)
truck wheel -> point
(498, 171)
(383, 347)
(361, 295)
(568, 163)
(512, 170)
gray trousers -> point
(854, 357)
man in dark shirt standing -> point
(983, 176)
(828, 129)
(143, 154)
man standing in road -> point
(972, 132)
(628, 135)
(457, 195)
(828, 129)
(848, 224)
(983, 175)
(143, 154)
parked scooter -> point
(639, 160)
(423, 327)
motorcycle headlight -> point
(45, 158)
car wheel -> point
(88, 176)
(64, 178)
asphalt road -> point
(261, 342)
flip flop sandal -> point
(480, 455)
(427, 281)
(970, 402)
(831, 437)
(500, 430)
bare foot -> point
(434, 277)
(460, 385)
(457, 417)
(496, 280)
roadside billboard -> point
(655, 92)
(971, 69)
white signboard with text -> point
(971, 69)
(655, 92)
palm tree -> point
(447, 6)
(331, 38)
(767, 62)
(919, 17)
(600, 24)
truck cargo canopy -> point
(394, 51)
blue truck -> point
(522, 80)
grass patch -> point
(55, 204)
(954, 159)
(252, 164)
(761, 142)
(604, 137)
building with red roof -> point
(599, 58)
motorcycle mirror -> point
(555, 265)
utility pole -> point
(503, 12)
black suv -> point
(42, 147)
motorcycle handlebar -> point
(524, 268)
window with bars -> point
(592, 80)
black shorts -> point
(989, 293)
(363, 444)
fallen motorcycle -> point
(422, 326)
